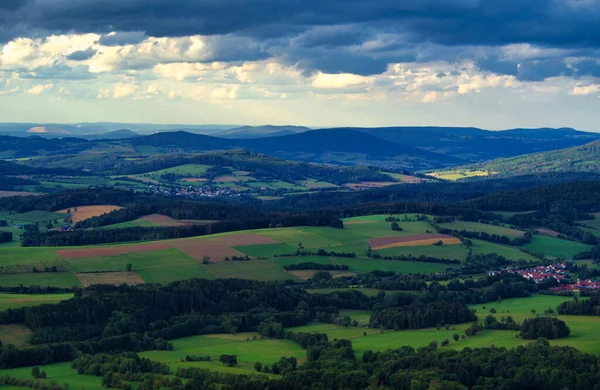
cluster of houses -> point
(553, 271)
(580, 285)
(194, 191)
(543, 272)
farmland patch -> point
(245, 240)
(198, 249)
(415, 240)
(114, 278)
(82, 213)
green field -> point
(253, 269)
(401, 267)
(45, 279)
(191, 170)
(593, 223)
(482, 227)
(556, 247)
(508, 214)
(36, 216)
(458, 174)
(453, 252)
(61, 373)
(480, 247)
(15, 301)
(247, 350)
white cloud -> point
(585, 90)
(40, 88)
(341, 80)
(119, 90)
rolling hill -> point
(305, 146)
(584, 158)
(473, 144)
(249, 132)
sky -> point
(485, 63)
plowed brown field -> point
(414, 240)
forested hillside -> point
(585, 158)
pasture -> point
(482, 227)
(480, 247)
(247, 350)
(556, 247)
(15, 301)
(458, 174)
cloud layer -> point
(230, 53)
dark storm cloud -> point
(331, 35)
(12, 5)
(82, 55)
(449, 22)
(122, 38)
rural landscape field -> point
(286, 195)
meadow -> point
(482, 227)
(556, 247)
(15, 301)
(454, 175)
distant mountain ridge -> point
(247, 132)
(473, 144)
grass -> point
(266, 351)
(283, 261)
(481, 247)
(135, 223)
(160, 266)
(458, 174)
(36, 216)
(166, 258)
(186, 170)
(482, 227)
(401, 267)
(61, 373)
(456, 251)
(45, 279)
(593, 223)
(15, 301)
(253, 269)
(508, 214)
(267, 250)
(556, 247)
(167, 275)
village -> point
(559, 272)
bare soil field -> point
(87, 252)
(245, 240)
(15, 334)
(114, 278)
(414, 240)
(197, 249)
(547, 232)
(157, 246)
(85, 212)
(111, 251)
